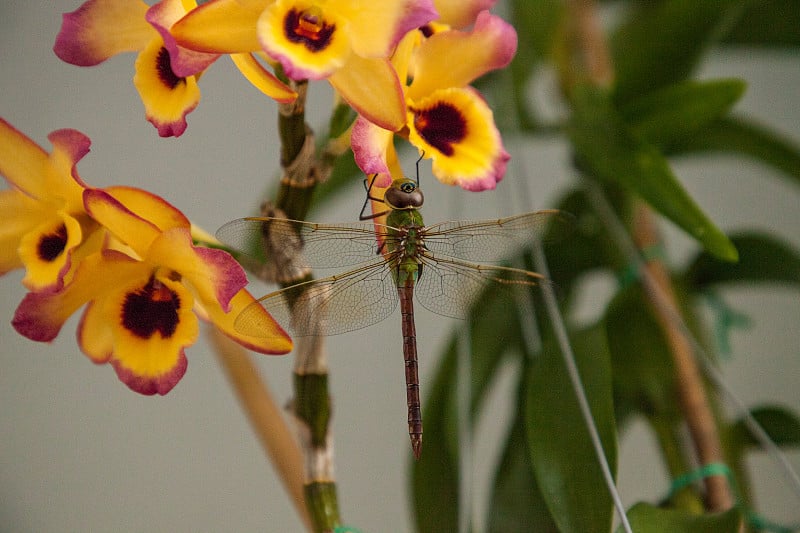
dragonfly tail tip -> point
(416, 446)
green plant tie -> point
(346, 529)
(629, 274)
(726, 319)
(758, 522)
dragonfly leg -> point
(368, 188)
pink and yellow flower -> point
(145, 290)
(166, 73)
(126, 253)
(45, 227)
(448, 121)
(346, 42)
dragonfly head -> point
(404, 194)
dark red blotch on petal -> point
(307, 28)
(164, 68)
(152, 308)
(52, 244)
(441, 126)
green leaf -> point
(586, 246)
(434, 478)
(346, 176)
(610, 152)
(762, 258)
(782, 426)
(566, 467)
(647, 518)
(740, 136)
(769, 23)
(517, 503)
(640, 357)
(536, 24)
(679, 111)
(662, 42)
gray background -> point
(79, 451)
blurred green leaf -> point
(781, 425)
(536, 24)
(610, 152)
(679, 111)
(762, 258)
(640, 357)
(662, 42)
(517, 503)
(738, 135)
(346, 176)
(434, 478)
(585, 247)
(769, 23)
(565, 465)
(647, 518)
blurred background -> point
(79, 451)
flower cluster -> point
(404, 65)
(123, 253)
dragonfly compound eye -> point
(405, 195)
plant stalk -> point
(265, 418)
(688, 377)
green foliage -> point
(646, 518)
(623, 139)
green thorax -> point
(404, 244)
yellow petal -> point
(372, 88)
(167, 98)
(46, 252)
(262, 79)
(221, 26)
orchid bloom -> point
(45, 227)
(166, 74)
(347, 42)
(143, 290)
(448, 121)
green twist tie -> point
(726, 319)
(628, 275)
(345, 529)
(758, 522)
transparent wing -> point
(449, 286)
(489, 240)
(327, 306)
(322, 245)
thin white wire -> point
(560, 330)
(620, 235)
(464, 417)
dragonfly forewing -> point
(327, 306)
(322, 245)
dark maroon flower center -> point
(308, 28)
(164, 68)
(52, 244)
(441, 126)
(153, 308)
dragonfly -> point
(446, 265)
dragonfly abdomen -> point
(406, 294)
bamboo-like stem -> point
(596, 60)
(311, 406)
(265, 418)
(688, 377)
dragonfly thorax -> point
(404, 194)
